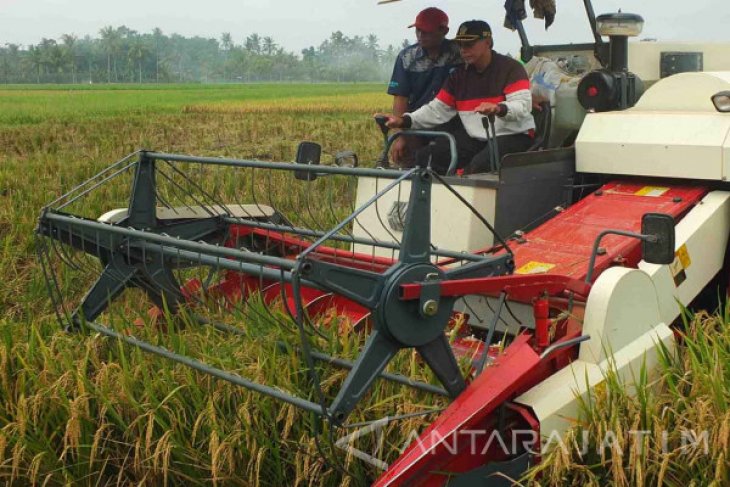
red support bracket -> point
(522, 288)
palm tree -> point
(372, 46)
(227, 44)
(253, 43)
(226, 41)
(125, 38)
(5, 64)
(69, 53)
(137, 52)
(269, 46)
(157, 34)
(51, 55)
(13, 51)
(35, 57)
(109, 40)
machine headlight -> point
(619, 24)
(722, 101)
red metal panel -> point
(421, 461)
(565, 241)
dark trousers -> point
(415, 143)
(472, 154)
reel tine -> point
(348, 232)
(71, 258)
(215, 201)
(49, 275)
(269, 194)
(364, 228)
(330, 197)
(163, 200)
(98, 175)
(175, 184)
(253, 192)
(98, 184)
(307, 192)
(380, 219)
(60, 251)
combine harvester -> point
(564, 260)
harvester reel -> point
(145, 250)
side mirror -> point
(307, 153)
(721, 101)
(658, 247)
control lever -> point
(492, 148)
(381, 120)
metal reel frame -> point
(142, 251)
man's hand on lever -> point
(392, 121)
(487, 108)
(399, 149)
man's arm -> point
(430, 115)
(400, 105)
(436, 112)
(400, 88)
(398, 151)
(518, 99)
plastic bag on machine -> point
(545, 78)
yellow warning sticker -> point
(653, 191)
(534, 267)
(681, 262)
(683, 256)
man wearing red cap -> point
(419, 72)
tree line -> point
(123, 55)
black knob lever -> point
(381, 120)
(492, 147)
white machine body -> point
(453, 225)
(673, 131)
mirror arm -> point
(597, 242)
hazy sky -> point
(296, 24)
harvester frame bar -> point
(285, 166)
(336, 361)
(206, 369)
(174, 242)
(305, 232)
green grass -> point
(73, 103)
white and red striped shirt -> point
(503, 81)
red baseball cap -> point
(430, 19)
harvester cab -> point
(514, 290)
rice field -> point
(85, 410)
